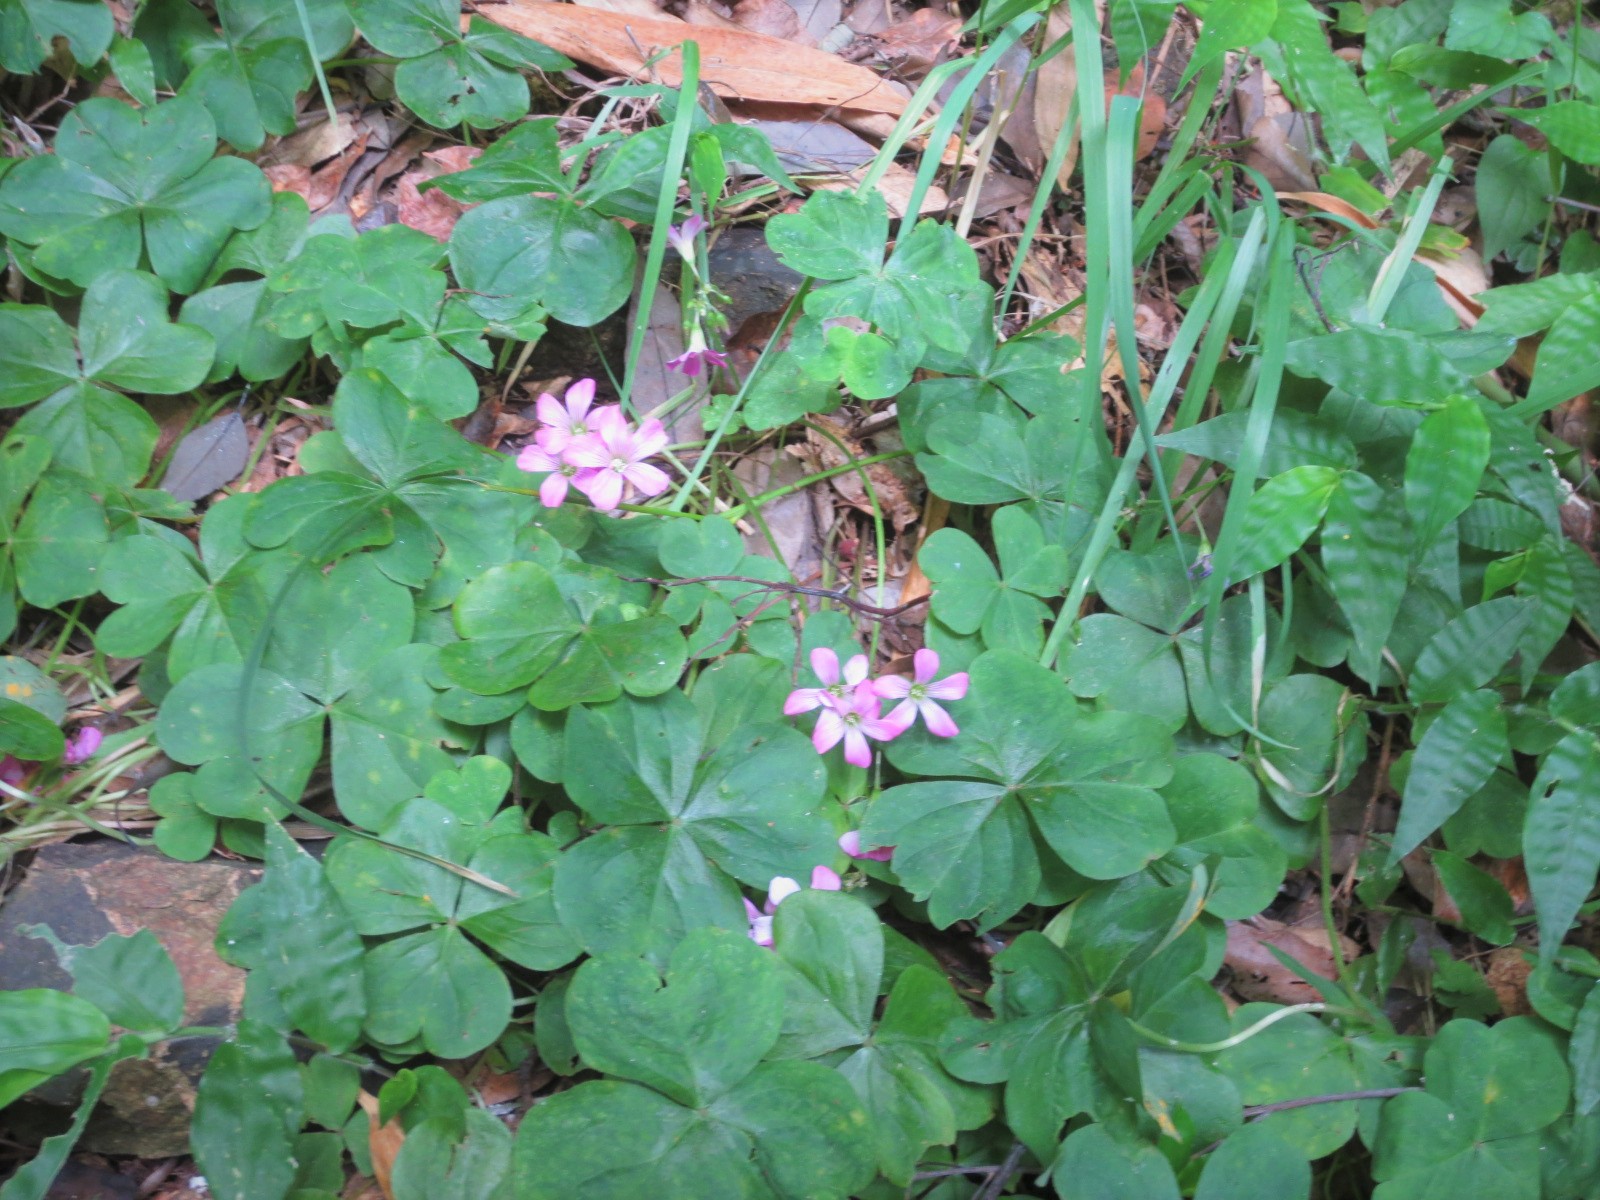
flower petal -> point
(802, 700)
(551, 412)
(856, 669)
(649, 439)
(780, 889)
(856, 751)
(825, 879)
(652, 481)
(892, 687)
(553, 491)
(937, 720)
(587, 451)
(825, 663)
(579, 397)
(925, 664)
(82, 745)
(830, 728)
(604, 489)
(952, 687)
(761, 931)
(537, 458)
(688, 362)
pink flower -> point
(82, 745)
(682, 236)
(564, 422)
(918, 695)
(697, 357)
(613, 457)
(825, 664)
(823, 879)
(853, 722)
(850, 843)
(561, 473)
(13, 770)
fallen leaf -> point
(312, 145)
(733, 62)
(1507, 975)
(918, 43)
(383, 1141)
(432, 211)
(1257, 972)
(289, 177)
(1330, 203)
(208, 458)
(1153, 114)
(773, 18)
(818, 18)
(895, 186)
(1055, 83)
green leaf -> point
(832, 946)
(234, 315)
(437, 987)
(692, 1033)
(788, 1129)
(1583, 1055)
(1381, 366)
(1486, 908)
(122, 179)
(518, 629)
(1230, 25)
(983, 458)
(1215, 807)
(37, 351)
(59, 540)
(1092, 1160)
(1512, 186)
(834, 235)
(130, 979)
(1026, 759)
(1573, 126)
(1318, 739)
(970, 595)
(384, 276)
(1474, 1132)
(526, 250)
(1457, 754)
(1279, 518)
(1298, 1056)
(1488, 27)
(1443, 467)
(247, 1112)
(1561, 840)
(28, 734)
(1365, 551)
(435, 1164)
(43, 1033)
(1470, 650)
(1254, 1162)
(28, 29)
(1565, 364)
(1327, 84)
(449, 78)
(527, 158)
(1131, 668)
(310, 952)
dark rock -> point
(84, 892)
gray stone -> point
(84, 892)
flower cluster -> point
(698, 357)
(823, 879)
(852, 705)
(597, 452)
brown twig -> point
(860, 606)
(997, 1178)
(1260, 1110)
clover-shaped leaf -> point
(527, 158)
(685, 814)
(121, 180)
(565, 635)
(124, 341)
(988, 458)
(249, 74)
(1027, 764)
(521, 252)
(365, 282)
(706, 1117)
(212, 605)
(1006, 605)
(449, 78)
(433, 980)
(28, 29)
(832, 949)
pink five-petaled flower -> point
(565, 421)
(697, 357)
(823, 879)
(682, 236)
(614, 456)
(553, 490)
(854, 721)
(850, 843)
(836, 687)
(82, 745)
(920, 693)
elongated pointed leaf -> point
(1561, 839)
(1365, 551)
(1443, 467)
(1457, 755)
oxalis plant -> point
(781, 918)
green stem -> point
(1244, 1035)
(738, 510)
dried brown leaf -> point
(733, 62)
(383, 1141)
(774, 18)
(1257, 973)
(432, 211)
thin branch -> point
(997, 1178)
(771, 585)
(990, 1169)
(1260, 1110)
